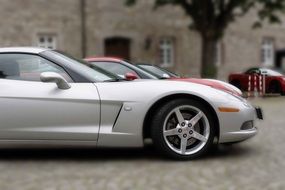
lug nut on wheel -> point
(179, 130)
(189, 125)
(184, 135)
(182, 124)
(191, 132)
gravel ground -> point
(255, 164)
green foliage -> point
(130, 2)
(209, 71)
(212, 17)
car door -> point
(33, 110)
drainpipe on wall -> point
(83, 27)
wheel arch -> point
(273, 82)
(237, 83)
(164, 100)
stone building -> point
(139, 33)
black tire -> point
(157, 129)
(236, 83)
(275, 88)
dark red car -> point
(253, 79)
(131, 72)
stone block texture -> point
(22, 21)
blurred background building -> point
(140, 34)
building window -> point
(267, 52)
(47, 41)
(166, 47)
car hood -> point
(147, 91)
(212, 83)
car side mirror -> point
(52, 77)
(130, 76)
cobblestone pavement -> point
(256, 164)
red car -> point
(130, 72)
(253, 79)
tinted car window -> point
(155, 70)
(159, 72)
(95, 74)
(27, 67)
(115, 68)
(253, 71)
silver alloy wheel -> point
(186, 130)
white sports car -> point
(48, 98)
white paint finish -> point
(33, 50)
(142, 94)
(37, 112)
(41, 111)
(230, 123)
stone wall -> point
(243, 44)
(141, 23)
(22, 20)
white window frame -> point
(166, 52)
(267, 52)
(48, 41)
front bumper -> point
(239, 136)
(231, 124)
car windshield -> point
(161, 73)
(266, 71)
(121, 68)
(95, 73)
